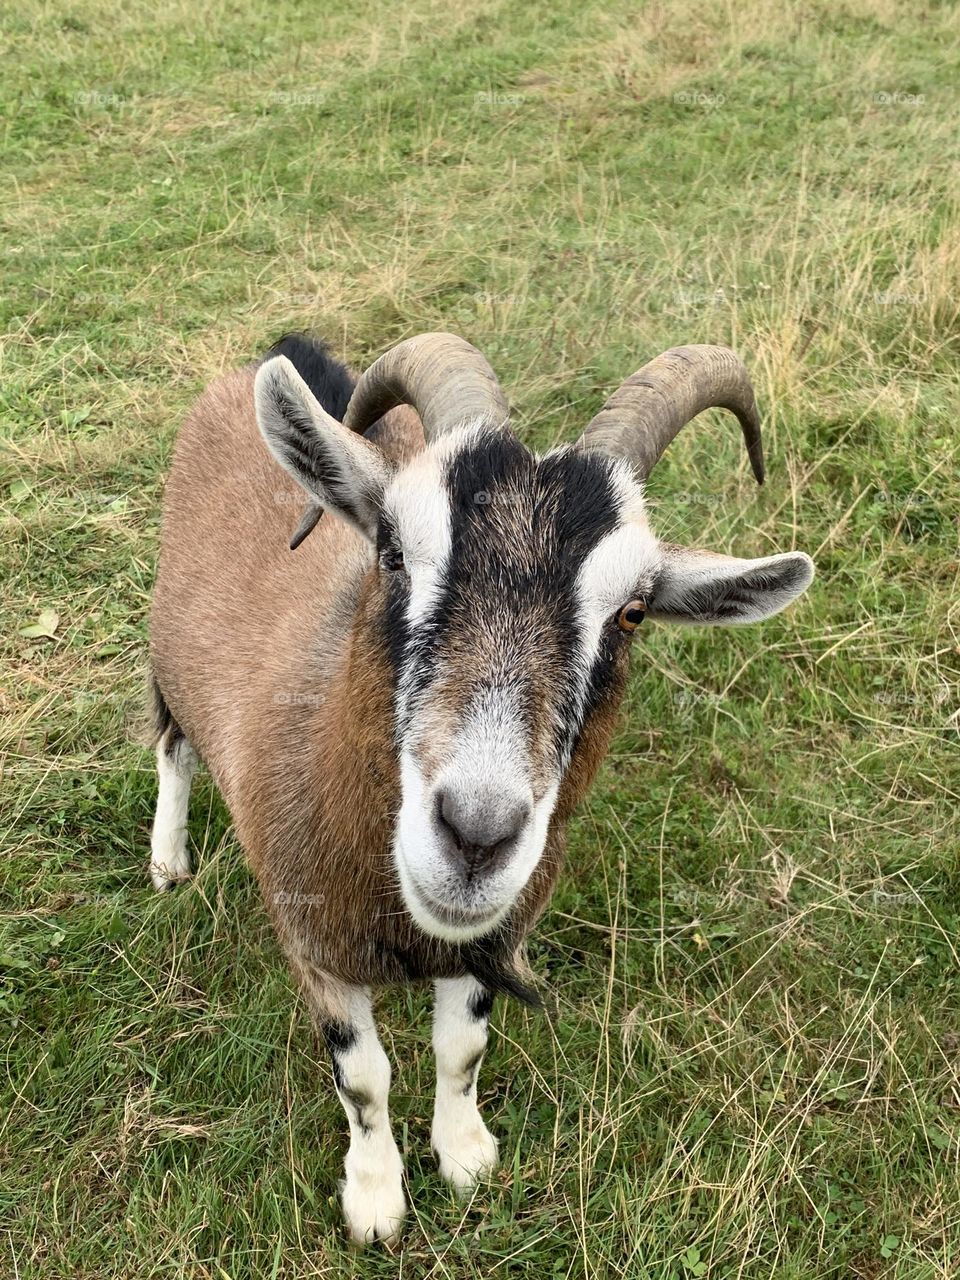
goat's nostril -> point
(515, 819)
(447, 817)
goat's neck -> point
(361, 758)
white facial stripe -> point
(418, 504)
(491, 746)
(630, 492)
(612, 572)
(608, 577)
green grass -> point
(749, 1066)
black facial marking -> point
(521, 530)
(394, 620)
(601, 674)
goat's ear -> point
(341, 470)
(702, 587)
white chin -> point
(433, 920)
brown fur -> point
(270, 662)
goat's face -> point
(509, 585)
(505, 575)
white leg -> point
(176, 764)
(373, 1200)
(465, 1147)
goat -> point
(402, 716)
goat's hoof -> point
(169, 870)
(374, 1205)
(466, 1156)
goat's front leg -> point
(464, 1146)
(176, 765)
(373, 1199)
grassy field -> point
(749, 1062)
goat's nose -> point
(480, 826)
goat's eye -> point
(631, 615)
(392, 560)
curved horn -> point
(446, 380)
(649, 409)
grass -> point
(749, 1064)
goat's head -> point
(508, 588)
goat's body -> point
(250, 646)
(403, 714)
